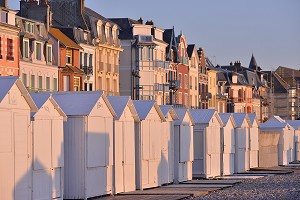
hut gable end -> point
(47, 110)
(101, 109)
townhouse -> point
(193, 76)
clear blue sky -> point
(227, 30)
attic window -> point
(85, 36)
(29, 27)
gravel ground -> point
(271, 187)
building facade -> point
(9, 42)
(193, 76)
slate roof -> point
(40, 99)
(72, 102)
(274, 122)
(7, 82)
(239, 119)
(63, 38)
(165, 109)
(253, 64)
(125, 25)
(119, 103)
(294, 123)
(252, 117)
(225, 117)
(181, 112)
(143, 108)
(170, 39)
(190, 50)
(202, 116)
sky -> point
(228, 30)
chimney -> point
(140, 20)
(150, 23)
(3, 3)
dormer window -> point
(29, 27)
(4, 16)
(38, 51)
(40, 29)
(25, 48)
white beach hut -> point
(15, 139)
(296, 125)
(276, 125)
(253, 141)
(148, 143)
(183, 145)
(227, 143)
(48, 148)
(167, 145)
(124, 143)
(242, 153)
(207, 143)
(88, 144)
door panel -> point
(21, 157)
(42, 188)
(119, 187)
(42, 144)
(56, 183)
(57, 143)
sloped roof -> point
(165, 109)
(40, 99)
(63, 38)
(143, 108)
(190, 49)
(119, 103)
(294, 123)
(181, 112)
(239, 119)
(125, 25)
(202, 116)
(252, 117)
(80, 103)
(253, 64)
(6, 83)
(225, 117)
(274, 122)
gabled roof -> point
(143, 108)
(252, 117)
(40, 99)
(125, 25)
(203, 116)
(225, 117)
(170, 38)
(274, 122)
(190, 49)
(119, 104)
(181, 112)
(239, 119)
(80, 103)
(65, 40)
(6, 83)
(294, 123)
(168, 109)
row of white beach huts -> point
(78, 145)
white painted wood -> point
(22, 154)
(228, 148)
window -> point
(38, 51)
(66, 82)
(76, 84)
(180, 79)
(24, 79)
(29, 27)
(32, 81)
(91, 60)
(55, 84)
(40, 82)
(0, 48)
(180, 98)
(69, 57)
(25, 48)
(48, 83)
(4, 16)
(10, 49)
(40, 29)
(186, 82)
(80, 59)
(196, 84)
(49, 53)
(85, 59)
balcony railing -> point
(88, 70)
(153, 64)
(237, 100)
(174, 84)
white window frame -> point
(49, 53)
(25, 46)
(36, 51)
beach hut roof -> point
(119, 104)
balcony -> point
(174, 84)
(161, 87)
(11, 58)
(153, 64)
(88, 70)
(237, 100)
